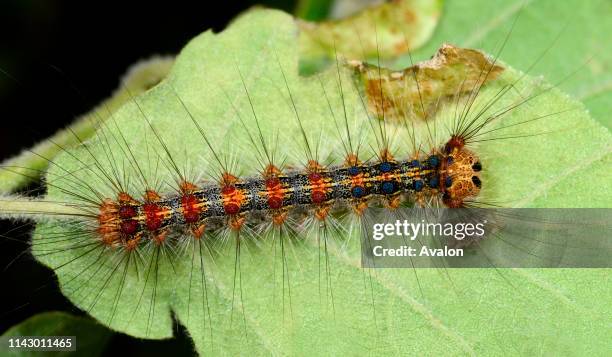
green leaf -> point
(580, 60)
(313, 10)
(380, 31)
(285, 306)
(91, 337)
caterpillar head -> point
(462, 174)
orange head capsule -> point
(461, 177)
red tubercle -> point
(231, 208)
(191, 210)
(228, 190)
(129, 227)
(272, 183)
(232, 198)
(274, 192)
(275, 202)
(153, 216)
(127, 211)
(318, 196)
(314, 177)
(318, 187)
(191, 216)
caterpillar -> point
(130, 250)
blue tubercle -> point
(417, 185)
(433, 161)
(388, 187)
(385, 167)
(448, 182)
(433, 182)
(358, 191)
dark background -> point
(92, 43)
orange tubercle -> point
(279, 218)
(187, 187)
(321, 213)
(198, 231)
(228, 179)
(271, 171)
(109, 223)
(151, 196)
(351, 160)
(236, 223)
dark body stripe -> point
(299, 189)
